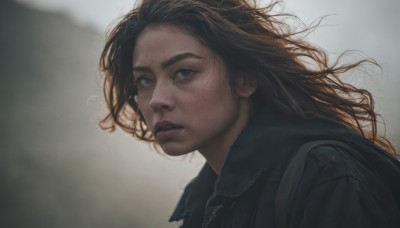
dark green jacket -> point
(336, 189)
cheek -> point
(144, 109)
(211, 103)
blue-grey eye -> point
(143, 82)
(183, 74)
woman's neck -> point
(217, 151)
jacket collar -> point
(266, 141)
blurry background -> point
(58, 169)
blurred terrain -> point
(57, 168)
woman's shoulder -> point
(331, 161)
(339, 184)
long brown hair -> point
(292, 74)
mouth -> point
(166, 129)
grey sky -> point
(367, 25)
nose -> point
(162, 98)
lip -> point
(168, 134)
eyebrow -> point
(170, 61)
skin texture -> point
(183, 82)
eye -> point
(143, 82)
(183, 74)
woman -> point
(232, 81)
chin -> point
(176, 150)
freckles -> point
(139, 104)
(143, 109)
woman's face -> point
(183, 91)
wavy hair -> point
(292, 74)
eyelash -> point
(189, 72)
(138, 80)
(186, 71)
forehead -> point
(163, 41)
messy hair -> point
(293, 75)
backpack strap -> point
(292, 176)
